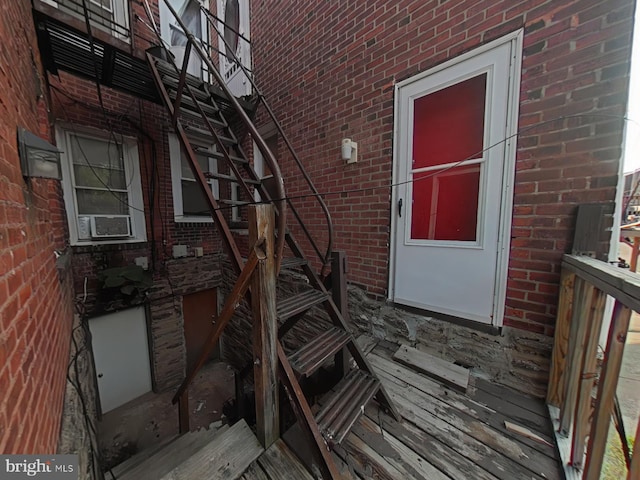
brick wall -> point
(329, 73)
(75, 104)
(35, 299)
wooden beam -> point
(265, 326)
(606, 391)
(340, 298)
(447, 372)
(579, 321)
(634, 469)
(555, 390)
(587, 378)
(621, 284)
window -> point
(171, 32)
(109, 15)
(102, 188)
(189, 204)
(235, 22)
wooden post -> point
(587, 379)
(340, 298)
(339, 282)
(635, 248)
(555, 390)
(606, 391)
(265, 326)
(577, 339)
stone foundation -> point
(515, 358)
(79, 416)
(180, 276)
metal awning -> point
(66, 48)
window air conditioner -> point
(107, 226)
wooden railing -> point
(581, 393)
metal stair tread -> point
(299, 303)
(289, 263)
(230, 178)
(345, 405)
(307, 359)
(169, 75)
(187, 102)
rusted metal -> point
(181, 82)
(305, 418)
(300, 303)
(257, 138)
(319, 350)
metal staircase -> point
(208, 111)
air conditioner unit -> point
(108, 226)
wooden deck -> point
(444, 434)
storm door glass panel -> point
(448, 144)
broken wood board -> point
(525, 432)
(453, 375)
(228, 456)
(280, 462)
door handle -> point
(400, 208)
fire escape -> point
(208, 110)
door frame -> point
(515, 39)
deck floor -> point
(444, 434)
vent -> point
(110, 226)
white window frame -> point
(175, 154)
(166, 19)
(64, 132)
(120, 10)
(237, 81)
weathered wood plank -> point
(447, 372)
(428, 447)
(396, 453)
(281, 464)
(370, 462)
(169, 457)
(520, 453)
(617, 282)
(587, 378)
(255, 472)
(227, 457)
(564, 446)
(606, 391)
(265, 326)
(474, 409)
(366, 343)
(467, 446)
(437, 453)
(513, 404)
(577, 340)
(555, 391)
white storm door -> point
(121, 356)
(173, 36)
(451, 162)
(235, 49)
